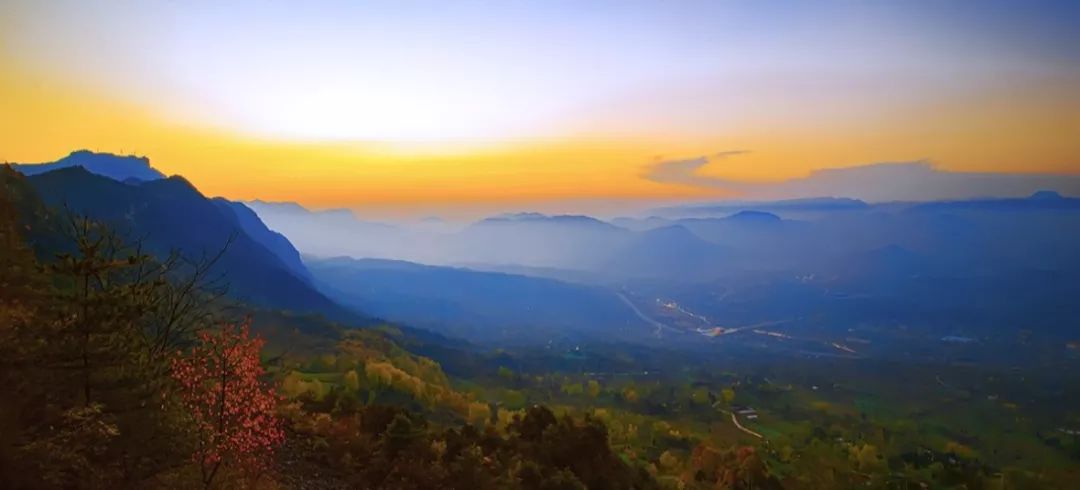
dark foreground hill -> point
(171, 215)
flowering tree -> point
(232, 408)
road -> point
(659, 326)
(735, 420)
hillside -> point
(485, 307)
(170, 214)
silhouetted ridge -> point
(170, 214)
(128, 168)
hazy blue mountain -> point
(332, 217)
(754, 217)
(607, 252)
(481, 306)
(807, 205)
(536, 240)
(573, 220)
(334, 232)
(1039, 201)
(129, 169)
(272, 240)
(170, 214)
(670, 252)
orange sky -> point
(596, 145)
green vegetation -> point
(91, 331)
(122, 371)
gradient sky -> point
(398, 106)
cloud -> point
(684, 171)
(915, 180)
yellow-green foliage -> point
(479, 413)
(960, 450)
(384, 373)
(369, 359)
(351, 380)
(504, 417)
(572, 388)
(513, 399)
(294, 385)
(865, 457)
(594, 388)
(668, 460)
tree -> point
(594, 388)
(351, 380)
(233, 410)
(727, 395)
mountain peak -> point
(751, 216)
(277, 206)
(122, 168)
(1046, 195)
(175, 184)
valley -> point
(852, 364)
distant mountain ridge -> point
(1040, 200)
(538, 218)
(330, 232)
(479, 306)
(122, 168)
(812, 204)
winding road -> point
(659, 326)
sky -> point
(422, 107)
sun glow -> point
(355, 105)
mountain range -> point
(534, 277)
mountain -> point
(170, 214)
(754, 217)
(485, 307)
(272, 240)
(586, 250)
(1038, 201)
(276, 211)
(575, 220)
(807, 205)
(537, 240)
(130, 169)
(667, 252)
(333, 232)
